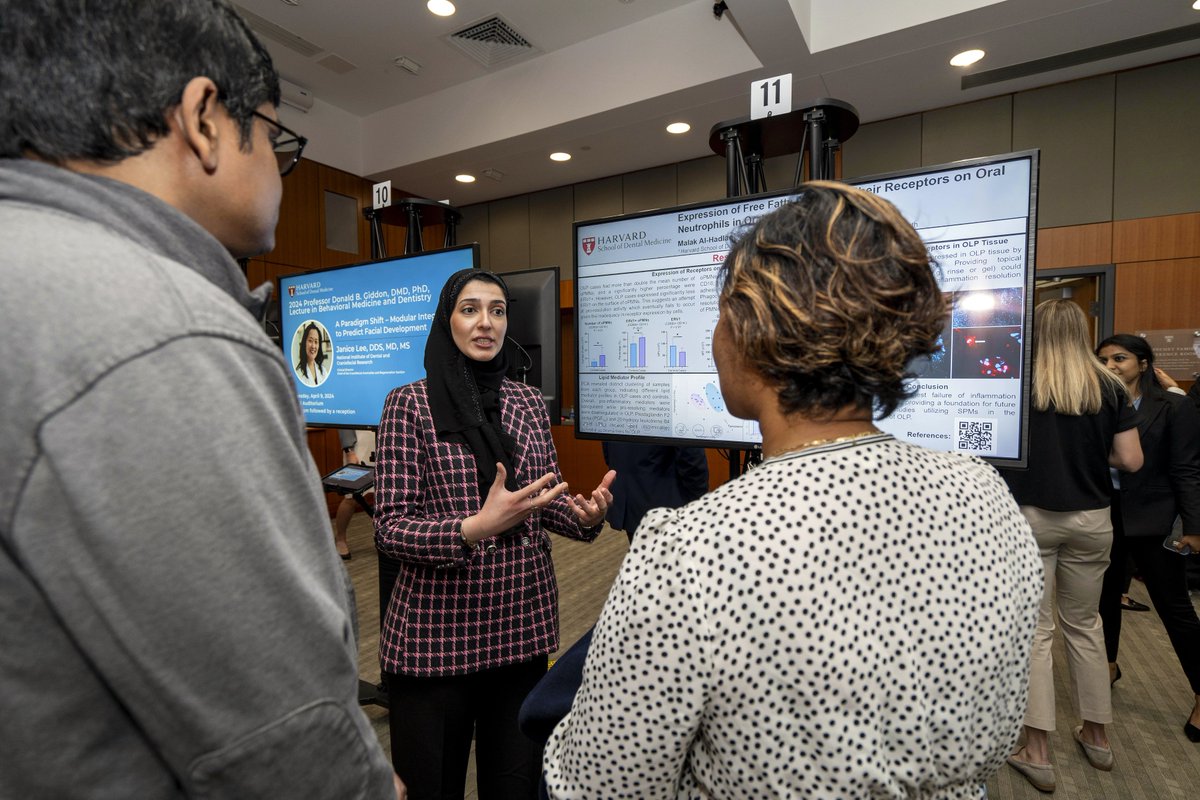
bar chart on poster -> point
(646, 306)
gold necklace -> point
(818, 442)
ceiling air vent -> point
(492, 42)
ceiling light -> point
(442, 8)
(465, 178)
(1196, 5)
(678, 127)
(966, 58)
(560, 156)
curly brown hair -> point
(830, 298)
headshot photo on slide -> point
(312, 353)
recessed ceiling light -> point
(678, 127)
(1196, 5)
(465, 178)
(966, 58)
(443, 8)
(560, 156)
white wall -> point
(335, 137)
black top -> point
(1169, 481)
(652, 476)
(1068, 457)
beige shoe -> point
(1040, 776)
(1099, 757)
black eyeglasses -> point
(288, 144)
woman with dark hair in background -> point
(1080, 424)
(817, 627)
(467, 490)
(311, 366)
(1144, 507)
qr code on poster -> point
(977, 436)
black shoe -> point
(1133, 605)
(1191, 731)
(1116, 676)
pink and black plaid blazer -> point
(456, 611)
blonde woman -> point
(1080, 424)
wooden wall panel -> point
(596, 199)
(1158, 294)
(474, 228)
(394, 238)
(343, 183)
(982, 128)
(1072, 124)
(1157, 238)
(649, 188)
(780, 172)
(886, 146)
(701, 179)
(1074, 246)
(259, 271)
(1156, 171)
(550, 244)
(509, 233)
(297, 239)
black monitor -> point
(535, 323)
(369, 323)
(646, 305)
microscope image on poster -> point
(986, 339)
(936, 365)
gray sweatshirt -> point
(174, 621)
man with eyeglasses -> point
(173, 624)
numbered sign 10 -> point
(381, 194)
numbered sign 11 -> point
(770, 97)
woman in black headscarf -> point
(467, 488)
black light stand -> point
(745, 143)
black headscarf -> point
(464, 394)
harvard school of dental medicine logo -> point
(589, 244)
(291, 291)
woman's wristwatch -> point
(467, 543)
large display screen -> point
(646, 304)
(535, 324)
(354, 333)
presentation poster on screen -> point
(353, 334)
(646, 305)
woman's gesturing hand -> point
(503, 509)
(590, 510)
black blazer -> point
(1169, 481)
(652, 476)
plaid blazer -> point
(453, 610)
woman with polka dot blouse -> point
(853, 618)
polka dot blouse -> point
(847, 621)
